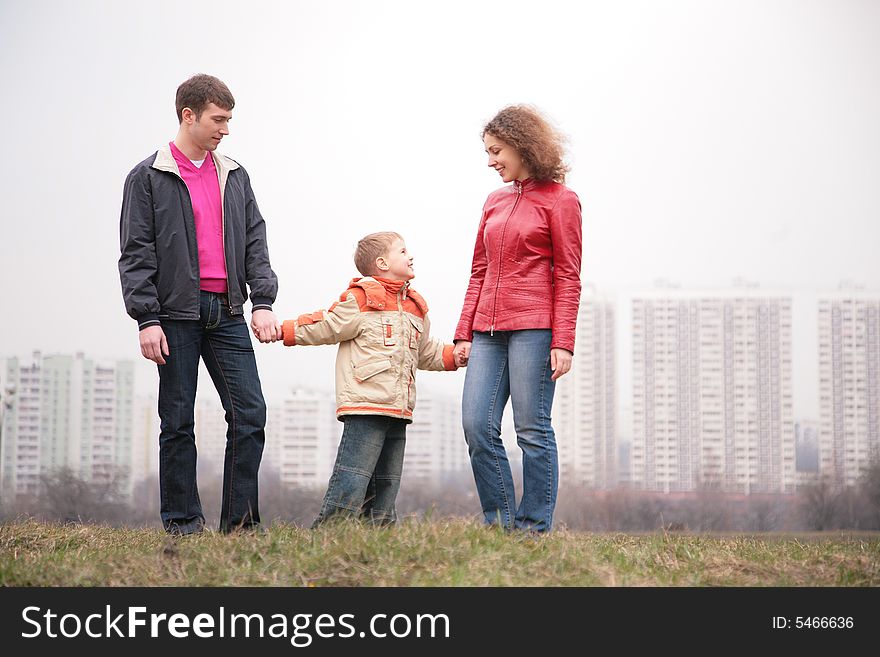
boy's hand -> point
(265, 326)
(461, 353)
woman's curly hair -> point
(536, 141)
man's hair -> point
(200, 90)
(371, 247)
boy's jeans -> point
(225, 345)
(366, 477)
(515, 365)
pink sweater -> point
(204, 192)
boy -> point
(382, 328)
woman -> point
(517, 327)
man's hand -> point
(461, 353)
(265, 326)
(154, 344)
(560, 362)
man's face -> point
(207, 130)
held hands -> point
(560, 362)
(461, 353)
(265, 326)
(154, 344)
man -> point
(192, 241)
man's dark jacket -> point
(159, 265)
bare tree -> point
(453, 496)
(870, 486)
(64, 496)
(710, 509)
(818, 504)
(763, 513)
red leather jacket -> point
(526, 272)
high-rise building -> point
(302, 434)
(712, 392)
(849, 385)
(20, 439)
(144, 440)
(210, 429)
(67, 412)
(806, 451)
(435, 446)
(806, 446)
(585, 403)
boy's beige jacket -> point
(383, 332)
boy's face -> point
(397, 264)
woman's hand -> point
(461, 353)
(560, 362)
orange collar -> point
(376, 289)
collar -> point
(524, 185)
(394, 287)
(183, 161)
(165, 161)
(376, 288)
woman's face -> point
(504, 159)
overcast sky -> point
(708, 140)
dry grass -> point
(427, 553)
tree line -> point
(63, 496)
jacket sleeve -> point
(565, 236)
(464, 330)
(341, 322)
(137, 245)
(261, 280)
(433, 353)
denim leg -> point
(385, 482)
(179, 505)
(369, 498)
(359, 450)
(531, 393)
(486, 390)
(229, 358)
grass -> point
(443, 552)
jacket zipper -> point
(518, 186)
(223, 232)
(407, 371)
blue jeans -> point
(366, 476)
(515, 365)
(222, 340)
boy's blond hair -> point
(371, 247)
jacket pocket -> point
(365, 370)
(415, 335)
(388, 331)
